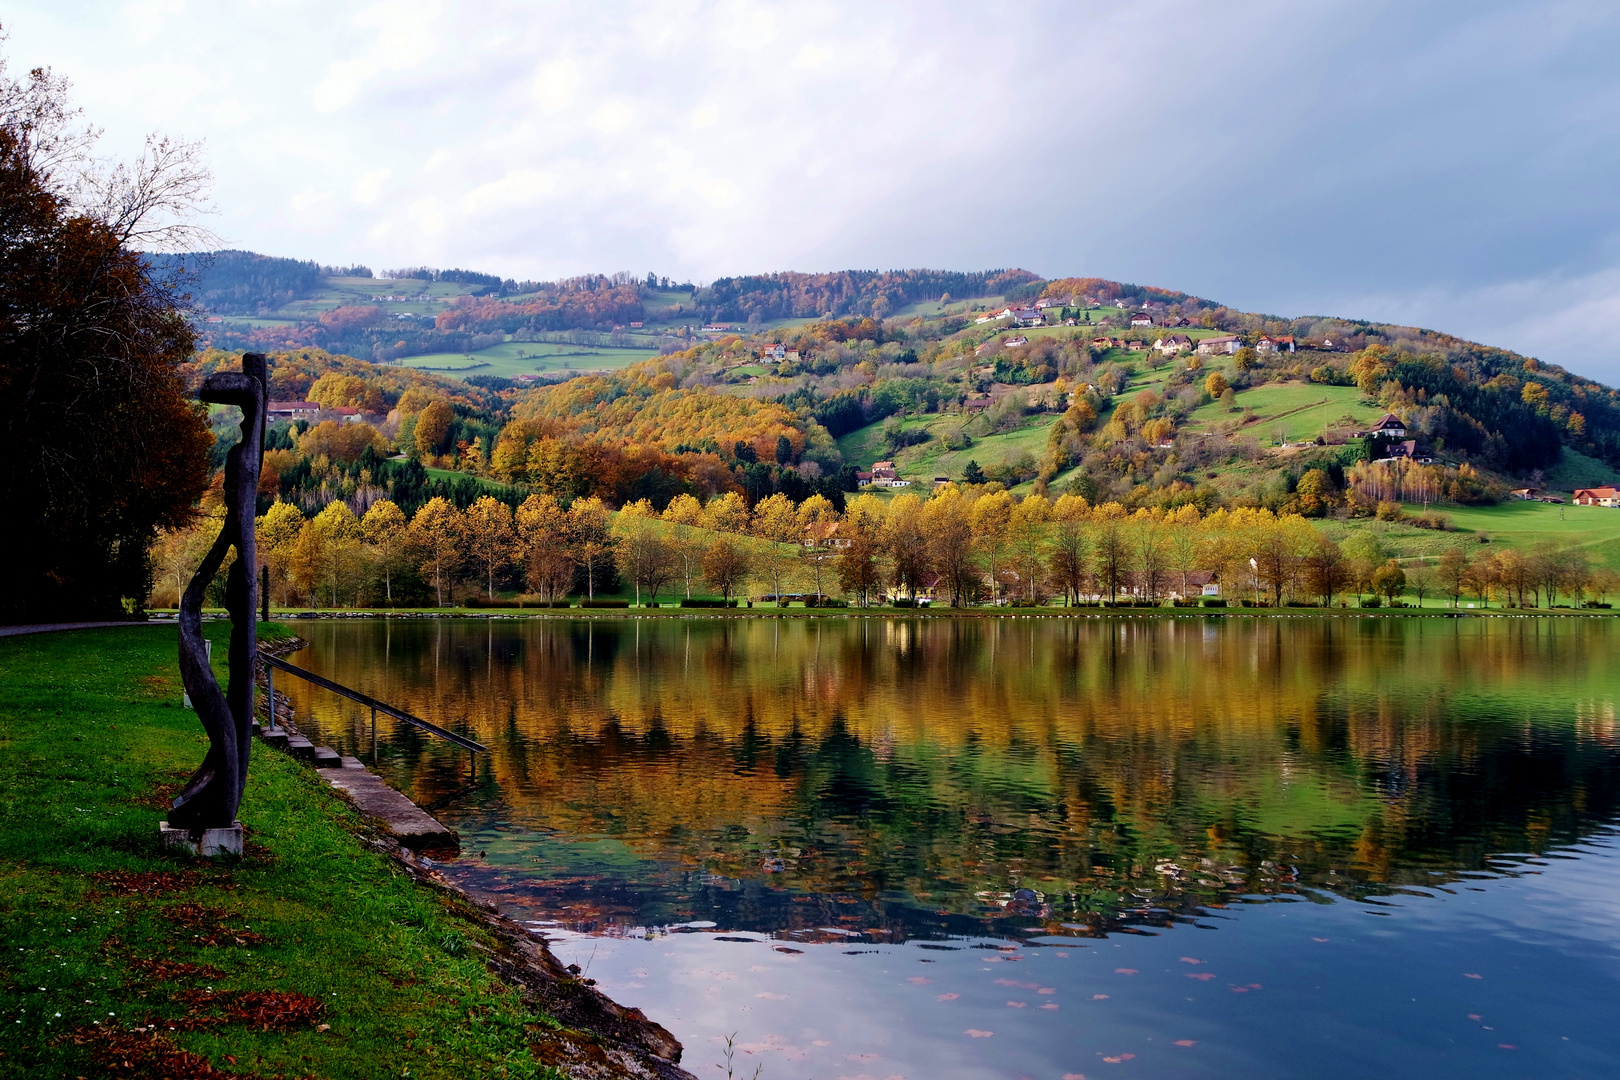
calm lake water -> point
(1046, 848)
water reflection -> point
(946, 776)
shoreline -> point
(508, 614)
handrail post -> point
(270, 694)
(374, 734)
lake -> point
(878, 847)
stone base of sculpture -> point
(226, 841)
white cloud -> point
(1440, 165)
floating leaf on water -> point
(1468, 975)
(1475, 1016)
(947, 997)
(1186, 1042)
(1050, 1005)
(1017, 1004)
(1117, 1060)
(919, 980)
(1099, 997)
(1124, 971)
(1320, 939)
(1202, 976)
(977, 1034)
(1190, 960)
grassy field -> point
(1307, 405)
(924, 461)
(123, 957)
(1576, 470)
(528, 357)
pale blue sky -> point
(1451, 165)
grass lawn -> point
(356, 971)
(1525, 524)
(515, 358)
(1576, 470)
(451, 474)
(1299, 400)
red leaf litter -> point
(131, 883)
(267, 1010)
(146, 1055)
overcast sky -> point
(1449, 165)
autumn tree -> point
(1389, 580)
(946, 522)
(1452, 573)
(685, 514)
(102, 442)
(818, 525)
(436, 535)
(385, 530)
(1070, 546)
(432, 433)
(857, 562)
(1325, 572)
(544, 548)
(906, 542)
(642, 554)
(990, 519)
(591, 539)
(277, 536)
(488, 528)
(1111, 549)
(776, 521)
(725, 565)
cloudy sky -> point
(1450, 165)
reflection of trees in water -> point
(1093, 760)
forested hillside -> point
(1140, 399)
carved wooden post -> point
(203, 817)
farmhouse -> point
(1527, 494)
(1141, 318)
(1391, 426)
(1598, 496)
(292, 410)
(1015, 341)
(1274, 344)
(1224, 343)
(1173, 344)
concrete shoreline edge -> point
(599, 1038)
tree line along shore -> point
(959, 548)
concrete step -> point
(301, 748)
(327, 758)
(276, 738)
(400, 818)
(352, 762)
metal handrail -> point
(373, 703)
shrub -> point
(1372, 601)
(903, 601)
(1433, 519)
(696, 602)
(486, 602)
(1213, 601)
(1389, 511)
(604, 603)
